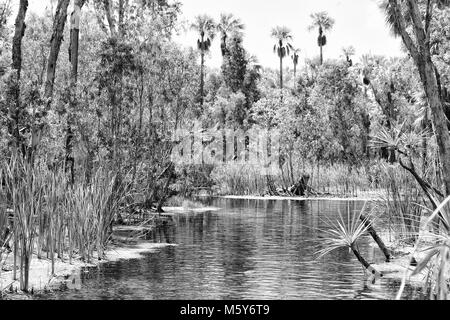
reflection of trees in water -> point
(194, 227)
(164, 234)
(237, 241)
(249, 249)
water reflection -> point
(248, 250)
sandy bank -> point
(68, 275)
(168, 211)
(399, 266)
(269, 198)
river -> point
(249, 249)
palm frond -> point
(344, 232)
(283, 35)
(321, 20)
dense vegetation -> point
(89, 109)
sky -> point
(359, 23)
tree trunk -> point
(18, 36)
(202, 77)
(359, 257)
(281, 73)
(73, 58)
(121, 24)
(224, 45)
(376, 238)
(424, 145)
(291, 167)
(295, 76)
(439, 118)
(321, 55)
(110, 17)
(365, 264)
(55, 45)
(420, 52)
(138, 141)
(17, 67)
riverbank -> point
(400, 268)
(368, 196)
(68, 275)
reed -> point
(401, 201)
(53, 217)
(250, 179)
(24, 185)
(5, 232)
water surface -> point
(250, 249)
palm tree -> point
(346, 232)
(323, 22)
(295, 57)
(348, 53)
(228, 25)
(206, 28)
(282, 48)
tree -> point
(206, 29)
(295, 56)
(323, 22)
(5, 12)
(349, 52)
(73, 59)
(414, 26)
(55, 45)
(282, 48)
(336, 92)
(17, 67)
(234, 67)
(227, 26)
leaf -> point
(422, 265)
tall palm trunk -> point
(321, 55)
(295, 76)
(321, 45)
(202, 71)
(281, 73)
(202, 79)
(224, 45)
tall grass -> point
(25, 189)
(54, 217)
(435, 244)
(5, 232)
(401, 201)
(238, 179)
(247, 179)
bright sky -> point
(359, 23)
